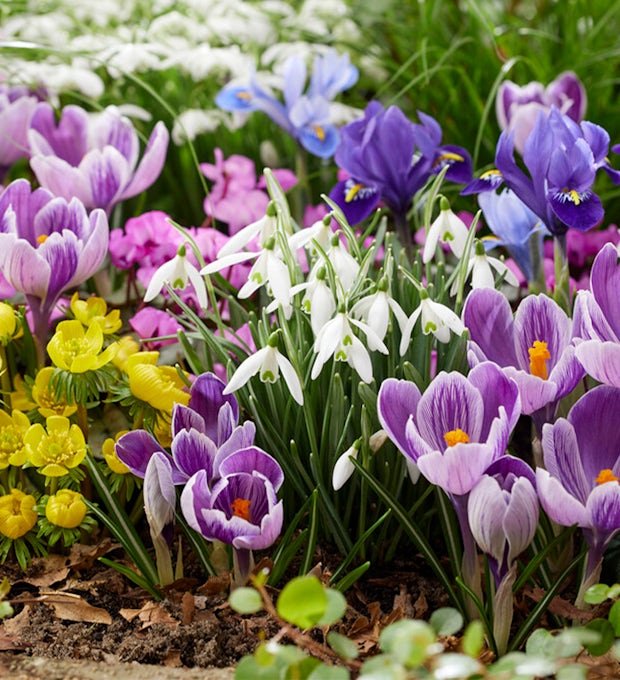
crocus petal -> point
(605, 283)
(135, 449)
(207, 398)
(151, 164)
(457, 469)
(252, 459)
(601, 360)
(159, 494)
(558, 503)
(193, 451)
(603, 507)
(396, 402)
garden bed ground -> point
(74, 608)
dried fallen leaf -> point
(152, 613)
(129, 614)
(15, 625)
(173, 659)
(48, 578)
(188, 607)
(71, 607)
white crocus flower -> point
(336, 339)
(344, 468)
(264, 229)
(436, 319)
(267, 362)
(176, 273)
(375, 310)
(447, 228)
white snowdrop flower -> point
(336, 339)
(481, 268)
(320, 232)
(263, 229)
(62, 77)
(345, 265)
(375, 309)
(132, 58)
(269, 271)
(447, 228)
(267, 363)
(436, 319)
(344, 468)
(176, 273)
(193, 122)
(318, 299)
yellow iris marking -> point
(319, 132)
(241, 508)
(42, 238)
(539, 355)
(456, 437)
(243, 95)
(606, 476)
(574, 197)
(448, 156)
(352, 192)
(490, 173)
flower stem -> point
(561, 289)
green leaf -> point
(408, 641)
(325, 672)
(341, 644)
(614, 617)
(303, 601)
(245, 600)
(347, 581)
(572, 672)
(446, 621)
(336, 605)
(5, 610)
(596, 593)
(473, 639)
(606, 631)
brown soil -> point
(73, 608)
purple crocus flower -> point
(518, 107)
(389, 158)
(562, 159)
(306, 117)
(580, 483)
(48, 245)
(503, 512)
(240, 509)
(534, 348)
(457, 428)
(17, 104)
(597, 319)
(93, 156)
(204, 434)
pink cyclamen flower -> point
(150, 323)
(93, 156)
(237, 197)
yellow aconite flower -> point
(55, 450)
(66, 509)
(95, 309)
(77, 351)
(12, 447)
(17, 514)
(159, 386)
(8, 324)
(109, 453)
(45, 399)
(127, 346)
(19, 395)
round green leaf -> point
(245, 600)
(473, 639)
(606, 631)
(336, 605)
(407, 641)
(446, 621)
(303, 601)
(325, 672)
(596, 593)
(614, 617)
(341, 644)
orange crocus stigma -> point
(241, 508)
(539, 355)
(42, 238)
(606, 476)
(456, 437)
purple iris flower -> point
(457, 428)
(518, 107)
(93, 155)
(503, 513)
(17, 104)
(48, 245)
(580, 483)
(204, 434)
(305, 116)
(535, 348)
(562, 158)
(597, 319)
(389, 158)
